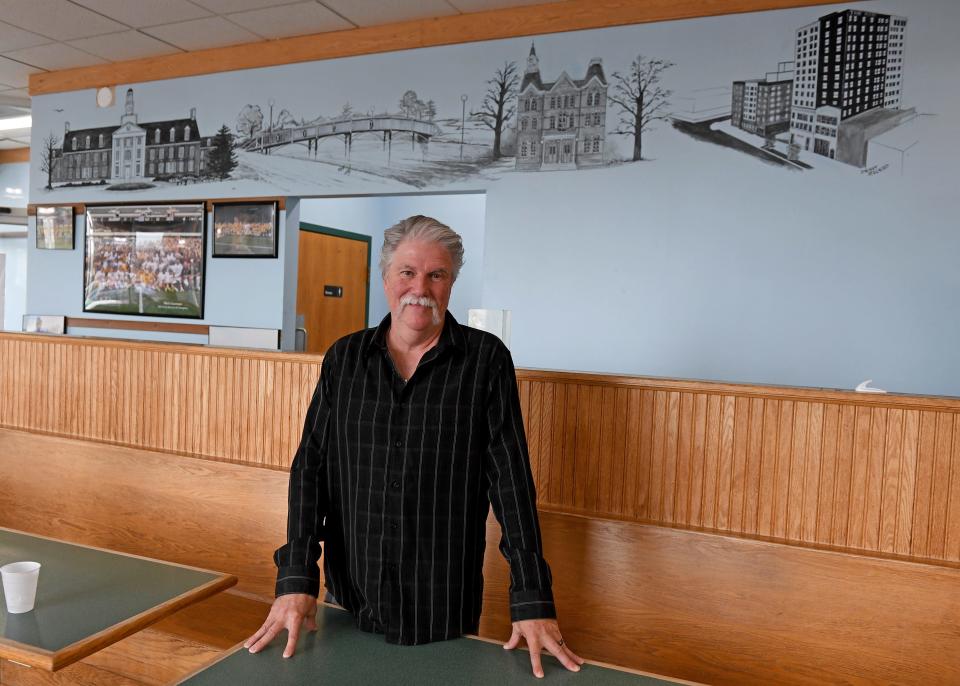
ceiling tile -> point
(228, 6)
(484, 5)
(373, 12)
(293, 20)
(57, 19)
(198, 34)
(126, 45)
(12, 38)
(140, 13)
(54, 56)
(25, 138)
(9, 144)
(9, 94)
(15, 74)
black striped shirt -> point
(396, 479)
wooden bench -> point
(700, 606)
(209, 514)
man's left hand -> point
(543, 634)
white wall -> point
(14, 184)
(370, 216)
(14, 286)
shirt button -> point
(393, 526)
(398, 444)
(395, 484)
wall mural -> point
(833, 98)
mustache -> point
(422, 301)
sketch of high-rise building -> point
(561, 124)
(848, 83)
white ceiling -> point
(49, 35)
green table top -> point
(339, 653)
(88, 595)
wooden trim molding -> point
(280, 200)
(820, 468)
(553, 17)
(14, 155)
(78, 208)
(133, 325)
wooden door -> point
(332, 282)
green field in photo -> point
(245, 245)
(169, 303)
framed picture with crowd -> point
(145, 260)
(245, 229)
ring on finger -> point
(560, 642)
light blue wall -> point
(795, 286)
(370, 216)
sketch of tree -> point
(284, 120)
(430, 111)
(347, 111)
(222, 158)
(412, 106)
(49, 158)
(641, 99)
(250, 121)
(408, 104)
(497, 108)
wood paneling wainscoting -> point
(877, 473)
(226, 404)
(874, 473)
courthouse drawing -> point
(561, 124)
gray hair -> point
(421, 228)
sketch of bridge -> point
(311, 134)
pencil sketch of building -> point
(762, 106)
(561, 124)
(848, 83)
(132, 150)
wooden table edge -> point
(24, 654)
(596, 663)
(91, 644)
(110, 550)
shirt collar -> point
(452, 335)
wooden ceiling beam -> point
(10, 155)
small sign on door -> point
(332, 291)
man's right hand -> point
(288, 612)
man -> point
(414, 430)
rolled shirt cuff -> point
(298, 580)
(537, 604)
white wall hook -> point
(865, 387)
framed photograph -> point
(44, 323)
(245, 229)
(145, 260)
(55, 228)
